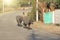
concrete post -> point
(37, 10)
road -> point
(10, 31)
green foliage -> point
(32, 14)
(0, 6)
(58, 3)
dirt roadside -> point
(51, 28)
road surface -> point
(10, 31)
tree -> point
(0, 5)
(32, 14)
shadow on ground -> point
(35, 36)
(29, 28)
(57, 24)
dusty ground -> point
(52, 28)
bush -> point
(32, 15)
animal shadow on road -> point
(29, 28)
(19, 25)
(57, 24)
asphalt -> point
(10, 31)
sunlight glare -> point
(7, 2)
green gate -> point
(47, 17)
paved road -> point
(10, 31)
